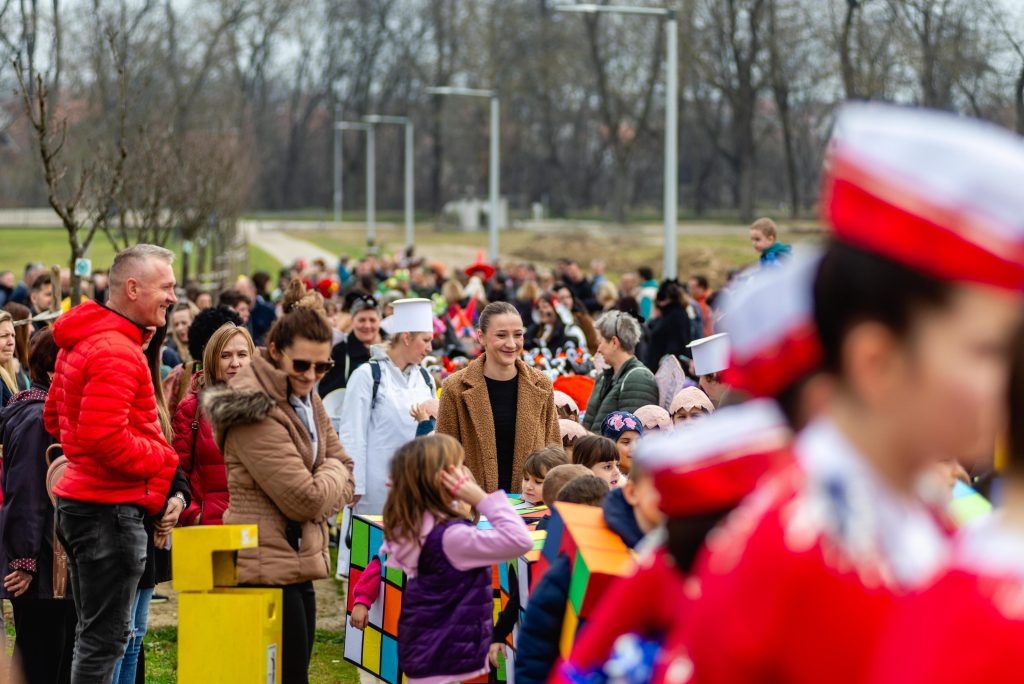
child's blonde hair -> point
(416, 488)
(766, 227)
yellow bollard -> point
(226, 634)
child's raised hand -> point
(419, 412)
(459, 481)
(360, 616)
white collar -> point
(864, 513)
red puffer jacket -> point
(102, 408)
(203, 465)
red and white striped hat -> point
(931, 190)
(770, 321)
(717, 462)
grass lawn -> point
(18, 246)
(711, 254)
(262, 260)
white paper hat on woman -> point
(410, 315)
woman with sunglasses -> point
(351, 352)
(382, 397)
(287, 472)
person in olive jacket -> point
(627, 384)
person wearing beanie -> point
(925, 268)
(623, 428)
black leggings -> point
(298, 632)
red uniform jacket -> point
(969, 625)
(102, 408)
(798, 582)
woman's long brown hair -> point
(1015, 407)
(416, 488)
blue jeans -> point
(106, 546)
(124, 673)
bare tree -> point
(84, 201)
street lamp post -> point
(494, 181)
(339, 127)
(374, 119)
(670, 208)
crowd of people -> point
(780, 454)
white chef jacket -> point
(370, 437)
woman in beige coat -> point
(499, 408)
(287, 472)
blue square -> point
(389, 660)
(376, 539)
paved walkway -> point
(284, 247)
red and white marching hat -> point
(770, 321)
(931, 190)
(717, 462)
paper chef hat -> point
(720, 461)
(770, 322)
(710, 354)
(410, 315)
(936, 192)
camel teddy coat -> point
(465, 414)
(274, 476)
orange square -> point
(392, 608)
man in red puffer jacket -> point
(102, 408)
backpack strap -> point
(375, 372)
(428, 380)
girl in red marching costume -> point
(969, 625)
(704, 476)
(916, 303)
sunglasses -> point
(302, 365)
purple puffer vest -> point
(447, 614)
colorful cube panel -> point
(597, 555)
(375, 649)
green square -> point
(360, 543)
(578, 583)
(395, 576)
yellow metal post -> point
(225, 634)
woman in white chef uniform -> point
(372, 428)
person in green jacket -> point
(627, 384)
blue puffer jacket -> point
(541, 631)
(621, 520)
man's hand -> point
(17, 582)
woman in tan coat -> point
(287, 472)
(499, 408)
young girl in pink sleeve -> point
(444, 630)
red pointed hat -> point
(481, 267)
(931, 190)
(715, 464)
(770, 321)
